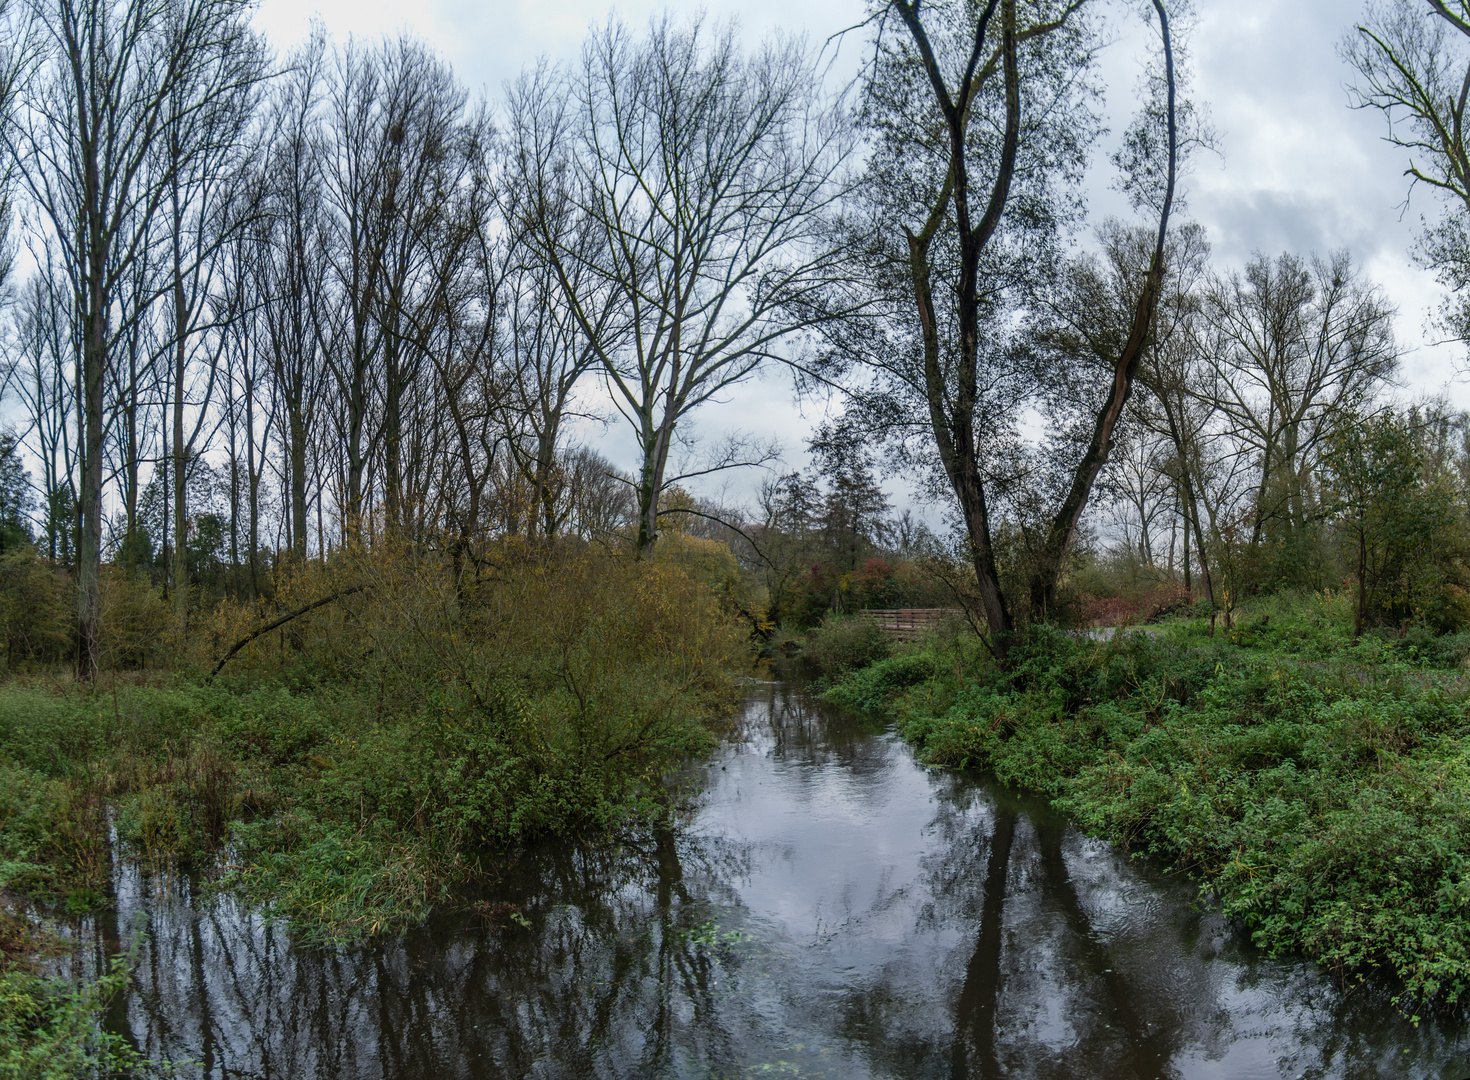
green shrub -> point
(53, 833)
(272, 724)
(332, 881)
(36, 609)
(52, 1030)
(137, 624)
(846, 644)
(50, 733)
(445, 721)
(869, 688)
(1325, 802)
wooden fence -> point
(907, 624)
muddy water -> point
(828, 908)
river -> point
(824, 907)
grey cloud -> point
(1271, 222)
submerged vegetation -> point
(1315, 784)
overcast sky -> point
(1300, 170)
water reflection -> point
(828, 909)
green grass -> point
(1318, 787)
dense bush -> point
(35, 609)
(52, 1030)
(1326, 802)
(870, 688)
(364, 758)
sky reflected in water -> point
(827, 908)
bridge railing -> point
(907, 624)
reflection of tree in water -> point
(1138, 1000)
(801, 729)
(1016, 949)
(616, 975)
(618, 970)
(1109, 1038)
(979, 866)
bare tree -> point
(1294, 346)
(249, 403)
(1140, 484)
(399, 144)
(289, 277)
(1413, 64)
(203, 152)
(89, 146)
(1087, 322)
(550, 352)
(466, 351)
(135, 402)
(708, 176)
(598, 499)
(42, 367)
(22, 47)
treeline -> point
(1266, 452)
(272, 307)
(280, 304)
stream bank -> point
(827, 907)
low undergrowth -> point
(1320, 788)
(49, 1028)
(360, 764)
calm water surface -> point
(828, 908)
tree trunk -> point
(954, 424)
(1362, 581)
(1188, 584)
(1204, 557)
(252, 477)
(131, 465)
(89, 505)
(1048, 570)
(234, 511)
(546, 493)
(392, 431)
(651, 483)
(180, 561)
(298, 482)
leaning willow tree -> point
(981, 119)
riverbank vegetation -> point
(49, 1028)
(363, 762)
(310, 582)
(1316, 785)
(371, 754)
